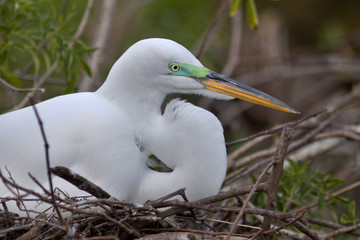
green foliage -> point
(350, 218)
(235, 5)
(251, 12)
(300, 186)
(34, 34)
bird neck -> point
(190, 141)
(136, 104)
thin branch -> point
(46, 146)
(303, 229)
(80, 182)
(275, 230)
(16, 89)
(235, 45)
(341, 231)
(211, 28)
(350, 135)
(330, 224)
(273, 182)
(37, 85)
(276, 129)
(100, 38)
(242, 210)
(296, 144)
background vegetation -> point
(303, 52)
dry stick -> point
(80, 182)
(95, 213)
(274, 130)
(279, 157)
(242, 210)
(303, 229)
(292, 147)
(273, 183)
(39, 184)
(330, 224)
(196, 204)
(16, 89)
(189, 230)
(285, 225)
(37, 85)
(242, 149)
(350, 135)
(211, 28)
(3, 232)
(235, 45)
(46, 146)
(341, 231)
(216, 208)
(100, 38)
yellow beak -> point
(222, 84)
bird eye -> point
(174, 67)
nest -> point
(217, 217)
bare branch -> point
(46, 146)
(101, 36)
(79, 181)
(273, 183)
(16, 89)
(211, 28)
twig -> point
(37, 84)
(46, 146)
(235, 45)
(303, 229)
(3, 232)
(239, 216)
(275, 130)
(180, 192)
(84, 21)
(351, 135)
(80, 182)
(100, 38)
(211, 28)
(16, 89)
(341, 231)
(275, 230)
(330, 224)
(273, 183)
(243, 148)
(296, 144)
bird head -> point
(167, 67)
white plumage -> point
(106, 136)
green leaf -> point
(36, 60)
(352, 210)
(334, 216)
(84, 66)
(345, 219)
(10, 77)
(251, 14)
(46, 59)
(321, 200)
(235, 5)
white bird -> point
(107, 135)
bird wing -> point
(85, 132)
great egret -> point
(107, 136)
